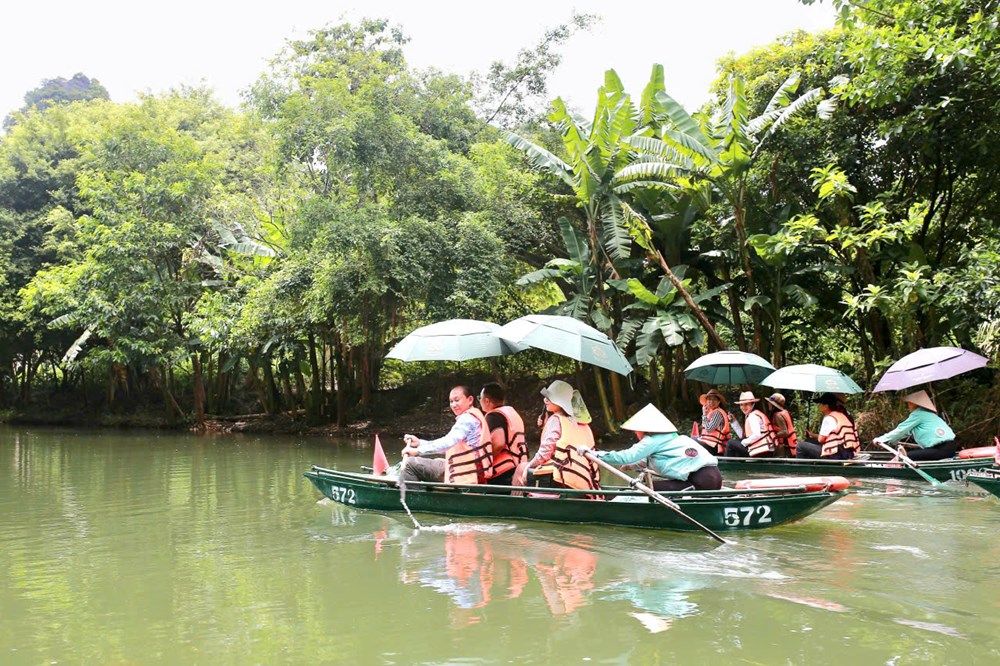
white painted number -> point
(746, 515)
(342, 495)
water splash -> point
(402, 492)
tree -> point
(58, 91)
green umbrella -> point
(811, 377)
(729, 367)
(453, 340)
(567, 337)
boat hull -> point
(988, 481)
(720, 511)
(953, 469)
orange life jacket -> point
(514, 450)
(792, 440)
(470, 464)
(844, 436)
(572, 469)
(718, 438)
(765, 442)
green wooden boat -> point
(719, 510)
(987, 480)
(878, 466)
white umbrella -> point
(453, 340)
(567, 337)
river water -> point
(150, 548)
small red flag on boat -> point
(379, 462)
(996, 456)
(694, 429)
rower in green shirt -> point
(680, 460)
(930, 432)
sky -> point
(135, 47)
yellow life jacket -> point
(470, 464)
(573, 469)
(844, 436)
(514, 450)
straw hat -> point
(563, 395)
(777, 400)
(920, 399)
(745, 397)
(649, 419)
(712, 393)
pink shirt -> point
(550, 435)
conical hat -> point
(920, 399)
(649, 419)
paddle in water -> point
(655, 496)
(402, 492)
(909, 463)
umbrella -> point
(811, 377)
(452, 340)
(729, 367)
(928, 365)
(567, 337)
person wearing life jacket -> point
(677, 459)
(558, 463)
(837, 438)
(506, 434)
(781, 422)
(468, 451)
(934, 437)
(758, 434)
(714, 423)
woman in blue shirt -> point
(930, 432)
(680, 460)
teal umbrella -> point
(729, 367)
(453, 340)
(811, 377)
(567, 337)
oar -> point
(655, 496)
(909, 463)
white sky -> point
(133, 47)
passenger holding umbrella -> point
(758, 434)
(837, 438)
(714, 422)
(677, 458)
(934, 437)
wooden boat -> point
(988, 480)
(719, 510)
(878, 466)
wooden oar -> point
(655, 496)
(909, 463)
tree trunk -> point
(314, 406)
(603, 396)
(199, 392)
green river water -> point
(150, 548)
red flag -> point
(996, 456)
(379, 463)
(694, 429)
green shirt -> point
(926, 428)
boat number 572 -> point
(746, 515)
(342, 495)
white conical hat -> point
(649, 419)
(920, 399)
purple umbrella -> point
(928, 365)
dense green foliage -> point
(833, 203)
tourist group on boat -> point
(487, 444)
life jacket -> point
(765, 442)
(844, 436)
(514, 451)
(718, 438)
(573, 469)
(792, 440)
(470, 464)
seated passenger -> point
(837, 438)
(714, 431)
(467, 450)
(678, 459)
(506, 434)
(781, 422)
(934, 437)
(758, 439)
(557, 462)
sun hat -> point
(920, 399)
(777, 400)
(564, 396)
(712, 393)
(745, 397)
(649, 419)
